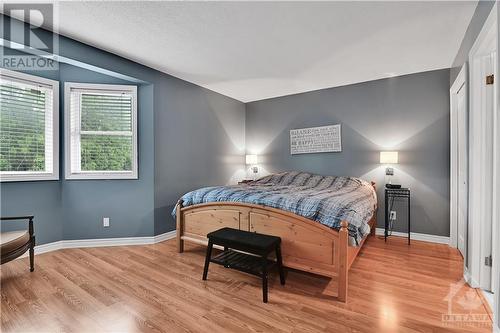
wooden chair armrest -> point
(26, 217)
(12, 218)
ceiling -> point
(257, 50)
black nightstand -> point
(390, 195)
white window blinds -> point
(102, 131)
(28, 127)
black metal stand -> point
(391, 194)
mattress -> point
(325, 199)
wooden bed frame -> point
(306, 245)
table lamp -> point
(252, 160)
(388, 158)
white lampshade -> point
(251, 159)
(388, 157)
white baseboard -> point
(417, 236)
(469, 279)
(100, 242)
(489, 297)
(165, 236)
(49, 247)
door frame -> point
(496, 199)
(486, 41)
(460, 81)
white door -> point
(483, 106)
(459, 127)
(462, 160)
(489, 63)
(482, 154)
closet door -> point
(459, 177)
(462, 170)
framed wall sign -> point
(323, 139)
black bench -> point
(255, 261)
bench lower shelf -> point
(242, 262)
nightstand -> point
(244, 181)
(390, 195)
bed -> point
(323, 221)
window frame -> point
(26, 176)
(99, 88)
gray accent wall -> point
(188, 137)
(74, 209)
(481, 13)
(128, 203)
(43, 199)
(409, 114)
(199, 141)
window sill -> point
(102, 176)
(27, 177)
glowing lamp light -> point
(251, 159)
(389, 157)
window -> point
(101, 131)
(29, 127)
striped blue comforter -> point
(325, 199)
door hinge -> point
(488, 261)
(490, 79)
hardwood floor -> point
(392, 288)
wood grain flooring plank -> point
(393, 287)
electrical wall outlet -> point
(393, 215)
(105, 222)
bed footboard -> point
(178, 226)
(306, 245)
